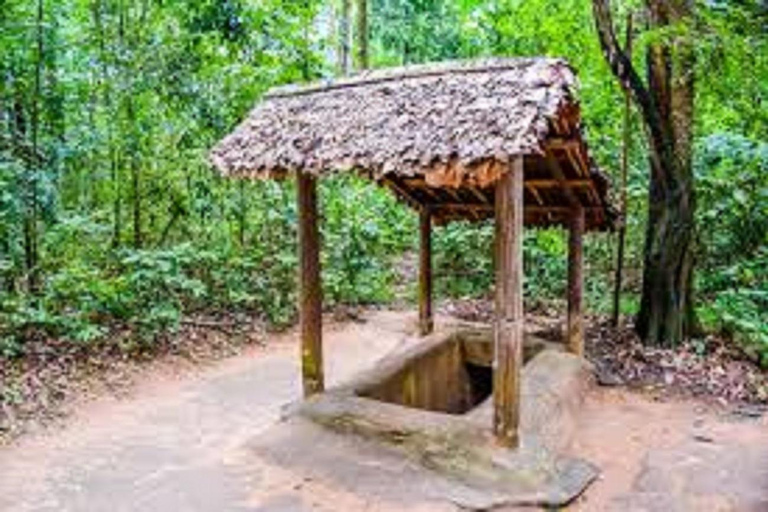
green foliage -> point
(362, 231)
(108, 109)
(732, 174)
(463, 259)
(740, 314)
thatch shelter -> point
(496, 138)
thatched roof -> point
(438, 135)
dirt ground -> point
(184, 441)
(671, 455)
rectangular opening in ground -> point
(452, 377)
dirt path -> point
(671, 455)
(165, 448)
(175, 444)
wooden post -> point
(426, 323)
(575, 340)
(310, 292)
(509, 321)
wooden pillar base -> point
(508, 336)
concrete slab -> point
(458, 449)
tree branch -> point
(659, 134)
(620, 64)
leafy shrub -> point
(463, 259)
(87, 291)
(363, 230)
(741, 315)
(465, 268)
(732, 174)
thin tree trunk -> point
(117, 160)
(343, 46)
(32, 200)
(101, 90)
(242, 213)
(17, 124)
(666, 308)
(55, 113)
(136, 146)
(361, 36)
(619, 276)
(138, 241)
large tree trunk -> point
(666, 309)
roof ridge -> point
(383, 75)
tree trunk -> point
(242, 212)
(138, 240)
(361, 36)
(626, 140)
(32, 207)
(116, 163)
(343, 47)
(666, 308)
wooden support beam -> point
(562, 143)
(576, 157)
(559, 175)
(310, 292)
(535, 193)
(509, 320)
(454, 194)
(479, 195)
(401, 192)
(580, 156)
(420, 184)
(426, 323)
(575, 163)
(482, 208)
(539, 201)
(578, 183)
(575, 341)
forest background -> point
(113, 221)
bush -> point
(732, 174)
(363, 230)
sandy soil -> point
(671, 455)
(179, 441)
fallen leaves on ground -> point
(711, 367)
(37, 388)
